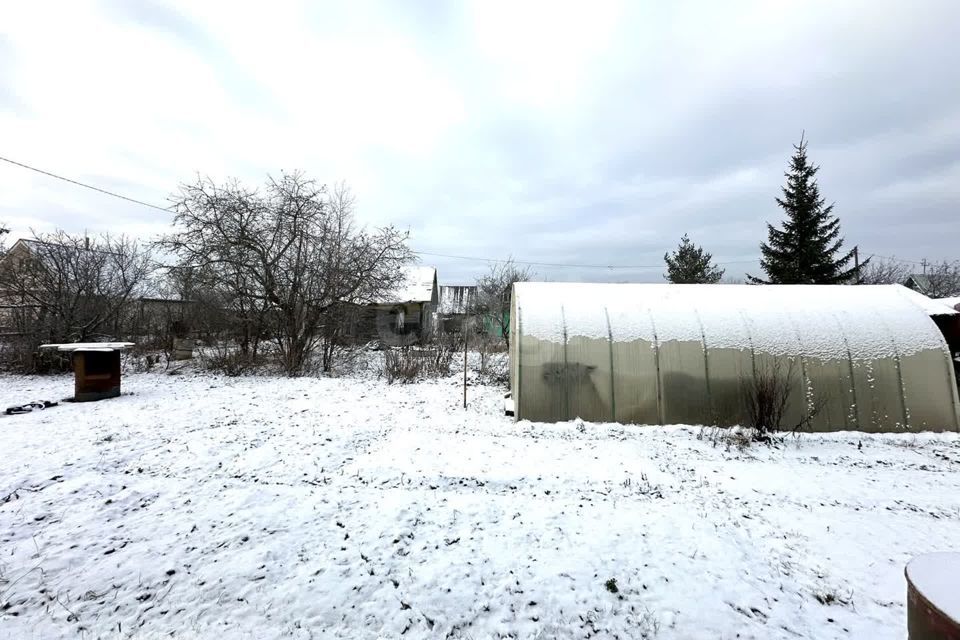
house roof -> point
(921, 282)
(930, 306)
(419, 284)
(9, 253)
(88, 346)
(456, 299)
(33, 245)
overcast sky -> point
(588, 133)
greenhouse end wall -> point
(856, 358)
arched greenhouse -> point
(863, 358)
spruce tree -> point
(690, 264)
(805, 250)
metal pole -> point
(466, 338)
(856, 262)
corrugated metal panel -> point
(863, 358)
(456, 299)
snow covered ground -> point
(201, 506)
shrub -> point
(442, 361)
(765, 397)
(408, 364)
(496, 369)
(729, 437)
(401, 365)
(229, 360)
(21, 354)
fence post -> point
(466, 338)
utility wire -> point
(85, 185)
(896, 259)
(565, 264)
(421, 253)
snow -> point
(953, 303)
(937, 577)
(815, 320)
(418, 285)
(260, 507)
(89, 346)
(930, 306)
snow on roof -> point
(930, 306)
(172, 298)
(29, 243)
(953, 303)
(418, 285)
(89, 346)
(456, 299)
(827, 321)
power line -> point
(564, 264)
(537, 264)
(896, 259)
(421, 253)
(85, 185)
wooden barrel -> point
(933, 596)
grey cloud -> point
(244, 89)
(9, 99)
(159, 16)
(675, 129)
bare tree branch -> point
(494, 290)
(65, 288)
(283, 258)
(884, 271)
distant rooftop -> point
(418, 285)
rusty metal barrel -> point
(933, 596)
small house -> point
(919, 282)
(404, 315)
(13, 303)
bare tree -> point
(290, 252)
(940, 279)
(943, 278)
(766, 396)
(884, 271)
(492, 303)
(67, 288)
